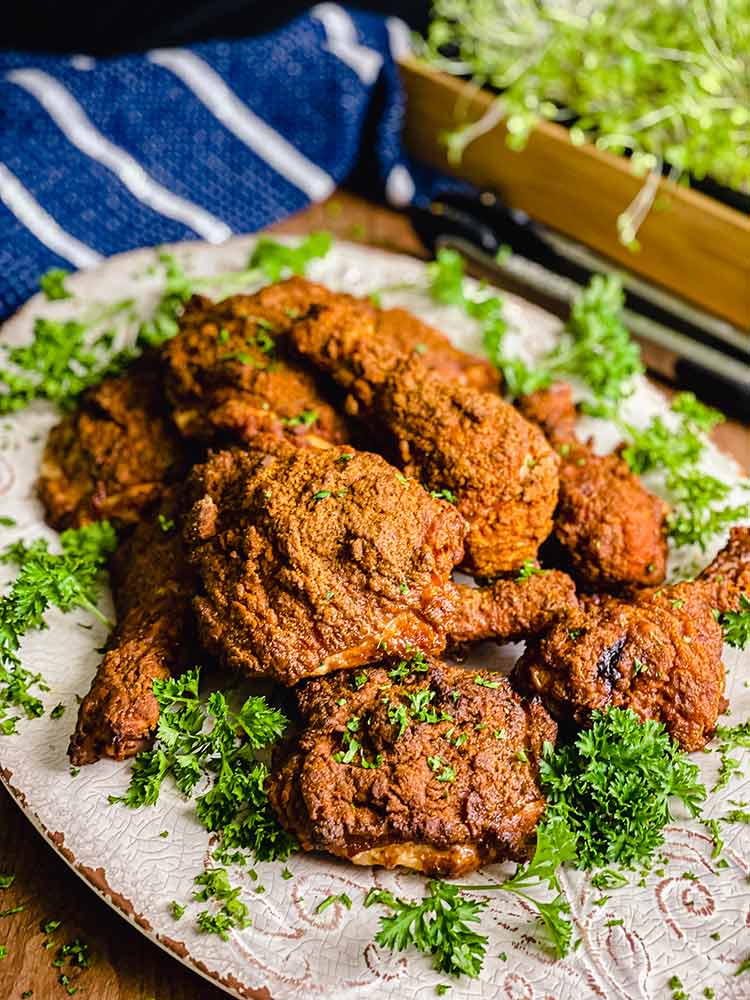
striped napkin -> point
(100, 156)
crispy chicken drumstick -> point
(449, 436)
(153, 587)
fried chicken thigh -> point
(435, 770)
(229, 376)
(449, 436)
(611, 528)
(112, 456)
(659, 655)
(152, 586)
(312, 561)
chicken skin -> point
(449, 436)
(113, 456)
(659, 655)
(152, 586)
(417, 764)
(228, 374)
(317, 560)
(509, 610)
(611, 528)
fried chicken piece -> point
(659, 656)
(113, 456)
(513, 609)
(728, 575)
(312, 561)
(451, 437)
(154, 637)
(435, 771)
(229, 375)
(611, 527)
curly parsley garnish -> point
(233, 912)
(447, 286)
(45, 579)
(736, 624)
(732, 738)
(612, 787)
(205, 739)
(439, 924)
(595, 347)
(676, 454)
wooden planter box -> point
(690, 243)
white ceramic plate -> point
(629, 947)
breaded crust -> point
(311, 561)
(659, 656)
(114, 455)
(613, 530)
(510, 610)
(450, 436)
(443, 776)
(154, 637)
(229, 374)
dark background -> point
(108, 27)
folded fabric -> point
(100, 156)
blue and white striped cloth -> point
(100, 156)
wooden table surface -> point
(125, 965)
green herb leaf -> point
(67, 580)
(612, 787)
(439, 925)
(52, 283)
(197, 739)
(736, 624)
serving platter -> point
(695, 927)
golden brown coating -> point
(513, 609)
(112, 456)
(659, 656)
(152, 586)
(728, 575)
(612, 528)
(312, 561)
(434, 770)
(449, 436)
(229, 375)
(404, 334)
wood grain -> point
(125, 965)
(689, 242)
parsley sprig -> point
(447, 286)
(732, 738)
(198, 740)
(439, 924)
(64, 580)
(736, 624)
(52, 283)
(595, 348)
(613, 786)
(676, 454)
